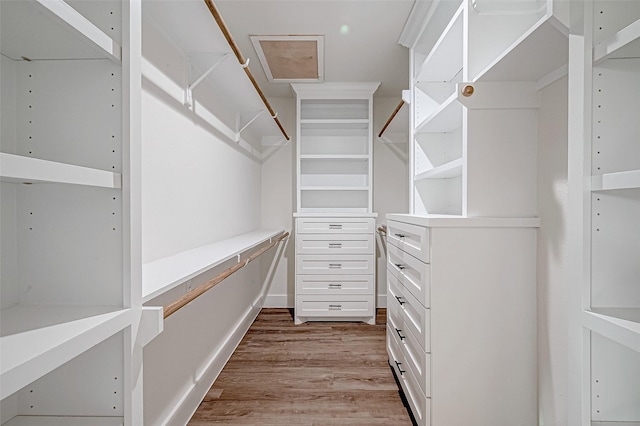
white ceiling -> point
(369, 51)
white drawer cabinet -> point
(335, 269)
(461, 319)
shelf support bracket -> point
(188, 95)
(239, 121)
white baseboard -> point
(190, 401)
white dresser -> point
(461, 318)
(335, 265)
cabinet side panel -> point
(483, 326)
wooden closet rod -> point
(393, 115)
(203, 288)
(225, 31)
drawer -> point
(334, 306)
(417, 360)
(413, 316)
(335, 265)
(324, 225)
(410, 238)
(334, 284)
(332, 244)
(419, 403)
(410, 272)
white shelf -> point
(438, 221)
(444, 119)
(64, 421)
(621, 325)
(624, 44)
(333, 157)
(441, 64)
(334, 124)
(334, 188)
(522, 61)
(51, 21)
(164, 274)
(444, 171)
(20, 169)
(38, 339)
(619, 180)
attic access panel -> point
(291, 58)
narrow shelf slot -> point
(444, 171)
(440, 64)
(22, 19)
(37, 339)
(20, 169)
(445, 119)
(333, 157)
(334, 188)
(624, 44)
(619, 180)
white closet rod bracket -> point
(240, 129)
(188, 95)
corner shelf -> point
(54, 41)
(37, 339)
(619, 324)
(624, 44)
(620, 180)
(20, 169)
(444, 171)
(444, 119)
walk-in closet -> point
(312, 212)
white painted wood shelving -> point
(68, 297)
(227, 101)
(604, 180)
(476, 75)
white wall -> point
(552, 256)
(390, 186)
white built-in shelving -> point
(474, 66)
(66, 292)
(605, 160)
(216, 89)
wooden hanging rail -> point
(243, 62)
(393, 115)
(203, 288)
(382, 229)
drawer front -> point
(324, 225)
(334, 284)
(334, 306)
(420, 405)
(418, 361)
(335, 265)
(410, 272)
(335, 244)
(414, 316)
(410, 238)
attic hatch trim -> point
(303, 39)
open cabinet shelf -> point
(64, 421)
(606, 181)
(62, 31)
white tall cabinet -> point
(335, 224)
(71, 307)
(604, 179)
(477, 67)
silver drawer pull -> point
(335, 226)
(335, 266)
(335, 245)
(401, 336)
(400, 301)
(398, 364)
(400, 266)
(335, 307)
(334, 285)
(400, 235)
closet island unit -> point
(604, 184)
(86, 278)
(462, 265)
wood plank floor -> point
(318, 373)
